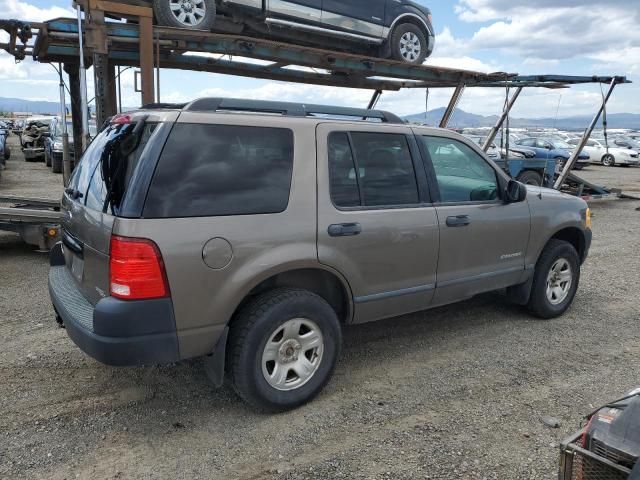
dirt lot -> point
(457, 392)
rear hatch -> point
(97, 192)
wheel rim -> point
(292, 354)
(188, 12)
(410, 46)
(559, 281)
(607, 161)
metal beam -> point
(505, 113)
(585, 137)
(453, 103)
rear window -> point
(108, 164)
(218, 170)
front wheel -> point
(283, 348)
(190, 14)
(555, 280)
(409, 44)
(608, 160)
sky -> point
(572, 37)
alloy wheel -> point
(292, 354)
(559, 281)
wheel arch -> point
(326, 283)
(409, 17)
(573, 235)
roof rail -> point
(288, 109)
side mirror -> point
(515, 192)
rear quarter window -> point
(221, 170)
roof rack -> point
(288, 109)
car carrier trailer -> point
(36, 220)
(107, 46)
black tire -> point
(256, 324)
(165, 16)
(539, 303)
(47, 159)
(56, 164)
(7, 153)
(529, 177)
(608, 160)
(397, 44)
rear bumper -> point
(31, 153)
(115, 332)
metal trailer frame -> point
(574, 460)
(36, 220)
(106, 45)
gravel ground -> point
(453, 393)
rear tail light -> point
(136, 270)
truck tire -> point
(555, 280)
(190, 14)
(7, 153)
(282, 349)
(608, 160)
(530, 177)
(56, 164)
(409, 44)
(47, 159)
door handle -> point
(458, 221)
(344, 229)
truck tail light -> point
(136, 270)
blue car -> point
(552, 148)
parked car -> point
(400, 29)
(599, 153)
(546, 148)
(232, 248)
(32, 138)
(493, 152)
(627, 142)
(5, 150)
(18, 125)
(53, 144)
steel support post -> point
(374, 99)
(146, 59)
(73, 71)
(505, 113)
(574, 156)
(455, 99)
(84, 114)
(66, 163)
(105, 85)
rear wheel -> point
(191, 14)
(283, 347)
(47, 159)
(555, 280)
(7, 153)
(409, 44)
(608, 160)
(529, 177)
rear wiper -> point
(124, 144)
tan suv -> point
(250, 233)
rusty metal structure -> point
(117, 34)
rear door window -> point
(217, 170)
(371, 170)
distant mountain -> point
(29, 106)
(462, 119)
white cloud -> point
(30, 13)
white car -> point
(598, 153)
